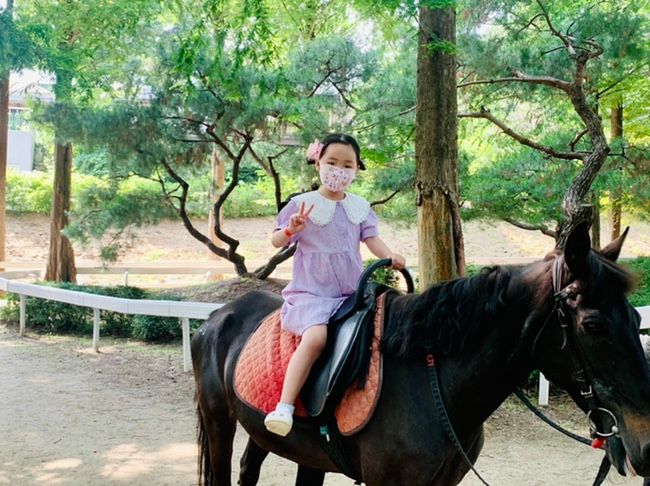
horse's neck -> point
(497, 359)
(494, 357)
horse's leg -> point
(309, 477)
(251, 463)
(216, 433)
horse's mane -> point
(439, 319)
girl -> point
(327, 225)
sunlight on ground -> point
(102, 350)
(53, 472)
(128, 461)
(39, 380)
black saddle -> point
(346, 357)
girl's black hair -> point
(344, 139)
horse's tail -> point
(206, 476)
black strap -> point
(603, 470)
(444, 417)
(519, 394)
(333, 446)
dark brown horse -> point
(566, 315)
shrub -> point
(32, 192)
(29, 193)
(641, 295)
(160, 329)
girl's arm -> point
(378, 248)
(280, 238)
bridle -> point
(566, 318)
(561, 294)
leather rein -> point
(562, 309)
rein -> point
(563, 312)
(444, 417)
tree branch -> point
(577, 138)
(521, 139)
(267, 269)
(385, 200)
(564, 38)
(532, 227)
(230, 254)
(345, 99)
(520, 77)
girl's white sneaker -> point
(279, 422)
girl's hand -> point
(298, 220)
(399, 262)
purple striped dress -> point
(327, 263)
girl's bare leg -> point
(280, 421)
(310, 348)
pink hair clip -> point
(314, 150)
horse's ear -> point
(613, 250)
(576, 251)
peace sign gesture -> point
(298, 220)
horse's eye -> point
(595, 326)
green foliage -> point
(32, 192)
(29, 193)
(515, 36)
(641, 266)
(518, 185)
(92, 163)
(160, 329)
(384, 275)
(157, 329)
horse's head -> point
(589, 345)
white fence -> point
(166, 308)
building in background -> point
(24, 86)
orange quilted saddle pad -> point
(263, 362)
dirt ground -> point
(485, 242)
(126, 415)
(69, 416)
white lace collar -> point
(356, 207)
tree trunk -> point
(218, 183)
(60, 264)
(4, 139)
(616, 124)
(4, 143)
(440, 254)
(595, 224)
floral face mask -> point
(336, 179)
